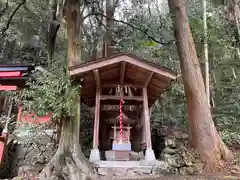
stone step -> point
(125, 164)
(126, 168)
(142, 177)
(122, 166)
(130, 172)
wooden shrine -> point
(122, 88)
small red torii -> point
(12, 78)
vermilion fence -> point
(32, 118)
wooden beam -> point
(158, 86)
(11, 74)
(148, 79)
(96, 119)
(111, 70)
(89, 96)
(147, 119)
(136, 85)
(122, 91)
(8, 88)
(122, 72)
(108, 97)
(114, 84)
(96, 77)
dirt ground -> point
(179, 177)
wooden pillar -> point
(114, 133)
(147, 119)
(96, 119)
(128, 131)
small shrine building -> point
(122, 88)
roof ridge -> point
(131, 55)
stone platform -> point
(117, 155)
(130, 168)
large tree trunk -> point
(108, 44)
(52, 30)
(73, 16)
(69, 162)
(205, 138)
(205, 45)
(236, 14)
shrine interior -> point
(133, 124)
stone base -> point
(122, 168)
(121, 147)
(94, 155)
(129, 169)
(149, 155)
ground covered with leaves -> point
(180, 177)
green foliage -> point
(220, 2)
(51, 93)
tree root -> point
(68, 167)
(227, 154)
(214, 159)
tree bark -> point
(108, 43)
(205, 45)
(205, 138)
(52, 30)
(235, 9)
(69, 162)
(73, 17)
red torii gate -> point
(12, 78)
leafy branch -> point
(4, 9)
(144, 31)
(12, 16)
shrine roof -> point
(121, 69)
